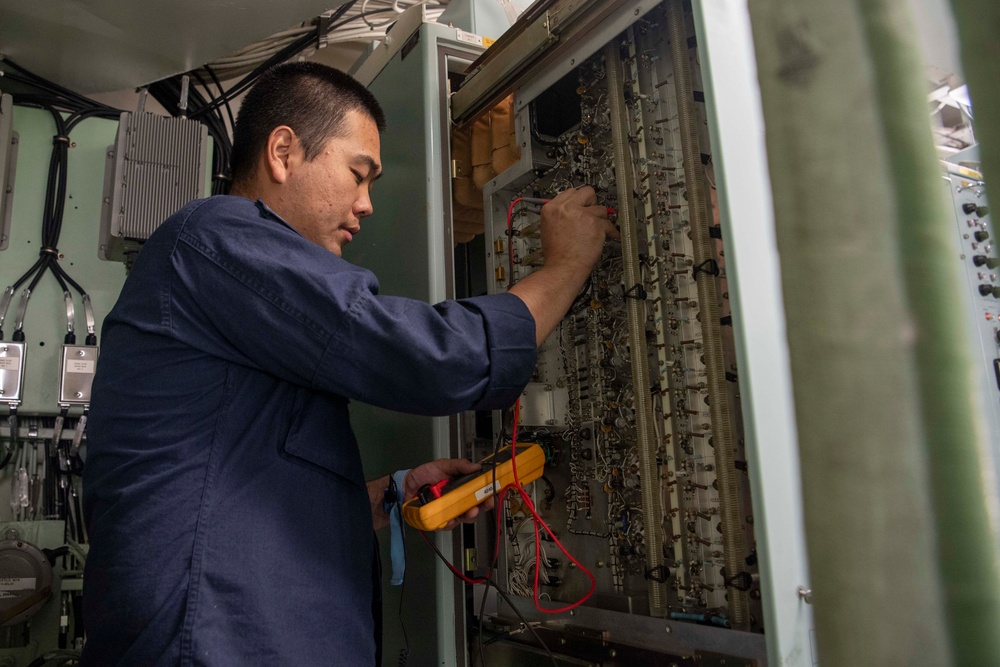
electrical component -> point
(25, 579)
(11, 372)
(11, 390)
(156, 166)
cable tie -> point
(709, 267)
(637, 292)
(741, 581)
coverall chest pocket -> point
(320, 436)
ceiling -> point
(101, 45)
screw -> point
(805, 594)
(668, 631)
(79, 394)
(81, 353)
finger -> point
(612, 232)
(588, 194)
(455, 467)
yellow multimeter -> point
(437, 504)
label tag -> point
(81, 366)
(468, 37)
(17, 583)
(10, 364)
(487, 490)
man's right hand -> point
(574, 229)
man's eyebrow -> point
(372, 164)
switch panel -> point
(978, 258)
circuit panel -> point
(635, 397)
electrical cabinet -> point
(408, 243)
(663, 400)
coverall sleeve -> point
(258, 293)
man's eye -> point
(358, 177)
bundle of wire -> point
(348, 23)
(359, 24)
(33, 91)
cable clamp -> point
(709, 267)
(8, 294)
(60, 138)
(81, 426)
(70, 313)
(22, 306)
(637, 292)
(222, 177)
(49, 251)
(88, 312)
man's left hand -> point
(435, 471)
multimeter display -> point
(435, 505)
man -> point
(229, 519)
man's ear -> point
(280, 155)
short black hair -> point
(310, 98)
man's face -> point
(328, 195)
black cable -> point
(287, 52)
(208, 91)
(56, 88)
(281, 56)
(12, 422)
(222, 94)
(527, 625)
(56, 100)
